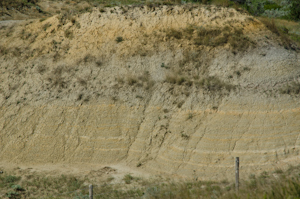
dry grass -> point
(69, 34)
(131, 80)
(3, 50)
(291, 89)
(172, 33)
(41, 69)
(88, 58)
(46, 26)
(214, 84)
(144, 80)
(223, 3)
(82, 81)
(289, 39)
(17, 4)
(285, 185)
(213, 37)
(177, 79)
(55, 78)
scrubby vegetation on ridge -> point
(213, 37)
(17, 3)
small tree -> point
(255, 7)
(295, 10)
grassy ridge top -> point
(17, 3)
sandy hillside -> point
(170, 90)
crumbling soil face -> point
(172, 90)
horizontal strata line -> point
(261, 135)
(119, 125)
(136, 124)
(236, 151)
(85, 137)
(32, 147)
(265, 153)
(219, 164)
(244, 111)
(232, 138)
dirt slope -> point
(171, 90)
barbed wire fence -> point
(135, 192)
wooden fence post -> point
(91, 191)
(237, 173)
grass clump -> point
(131, 80)
(119, 39)
(7, 179)
(185, 136)
(18, 4)
(46, 26)
(291, 89)
(88, 58)
(176, 79)
(172, 33)
(282, 33)
(223, 3)
(128, 178)
(69, 34)
(218, 37)
(214, 84)
(144, 80)
(285, 184)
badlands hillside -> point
(178, 91)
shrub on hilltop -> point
(17, 3)
(295, 10)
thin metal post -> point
(237, 173)
(91, 191)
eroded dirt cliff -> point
(171, 90)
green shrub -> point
(128, 178)
(119, 39)
(17, 188)
(11, 179)
(295, 10)
(12, 194)
(255, 7)
(271, 5)
(223, 3)
(17, 4)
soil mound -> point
(171, 90)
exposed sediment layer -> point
(89, 99)
(106, 133)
